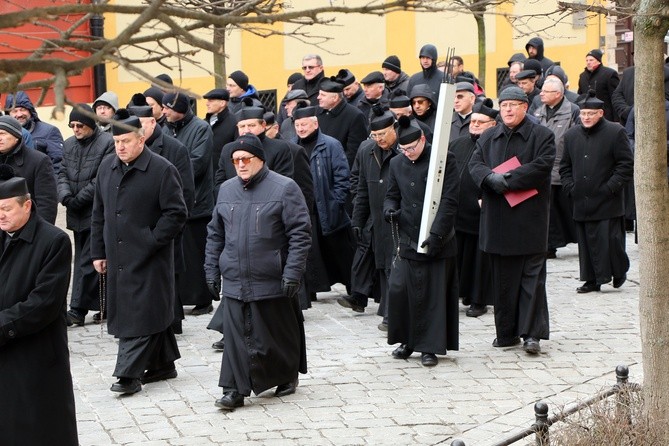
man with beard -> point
(332, 238)
(516, 237)
(82, 154)
(464, 101)
(340, 120)
(400, 105)
(369, 179)
(312, 68)
(596, 165)
(196, 135)
(429, 74)
(138, 210)
(535, 50)
(34, 166)
(176, 153)
(37, 401)
(423, 288)
(473, 264)
(262, 265)
(46, 137)
(424, 105)
(395, 78)
(559, 115)
(220, 119)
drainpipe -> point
(99, 71)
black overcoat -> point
(373, 169)
(469, 210)
(347, 124)
(596, 165)
(136, 217)
(36, 398)
(604, 81)
(522, 229)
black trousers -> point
(191, 283)
(85, 280)
(138, 354)
(561, 230)
(601, 249)
(519, 287)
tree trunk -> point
(652, 201)
(219, 58)
(480, 27)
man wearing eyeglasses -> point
(473, 270)
(596, 166)
(258, 240)
(559, 115)
(312, 70)
(369, 179)
(516, 237)
(423, 288)
(400, 105)
(82, 154)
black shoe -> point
(552, 254)
(476, 310)
(506, 342)
(531, 346)
(75, 318)
(350, 302)
(287, 389)
(588, 287)
(219, 345)
(127, 386)
(201, 309)
(98, 317)
(230, 400)
(428, 359)
(151, 376)
(383, 326)
(402, 352)
(618, 281)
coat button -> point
(11, 333)
(412, 183)
(381, 181)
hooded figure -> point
(424, 112)
(46, 137)
(429, 75)
(538, 44)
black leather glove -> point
(497, 183)
(66, 201)
(214, 287)
(391, 214)
(434, 244)
(289, 288)
(357, 233)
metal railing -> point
(542, 421)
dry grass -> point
(615, 421)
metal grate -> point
(268, 99)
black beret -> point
(217, 93)
(141, 111)
(294, 78)
(331, 85)
(125, 123)
(250, 113)
(534, 65)
(526, 74)
(346, 77)
(407, 131)
(485, 107)
(591, 102)
(270, 118)
(249, 143)
(399, 99)
(11, 185)
(375, 77)
(381, 119)
(304, 111)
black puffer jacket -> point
(76, 179)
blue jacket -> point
(330, 171)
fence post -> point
(540, 425)
(623, 410)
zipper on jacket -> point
(258, 220)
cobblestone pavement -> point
(356, 394)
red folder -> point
(514, 197)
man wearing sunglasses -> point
(258, 240)
(312, 70)
(82, 154)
